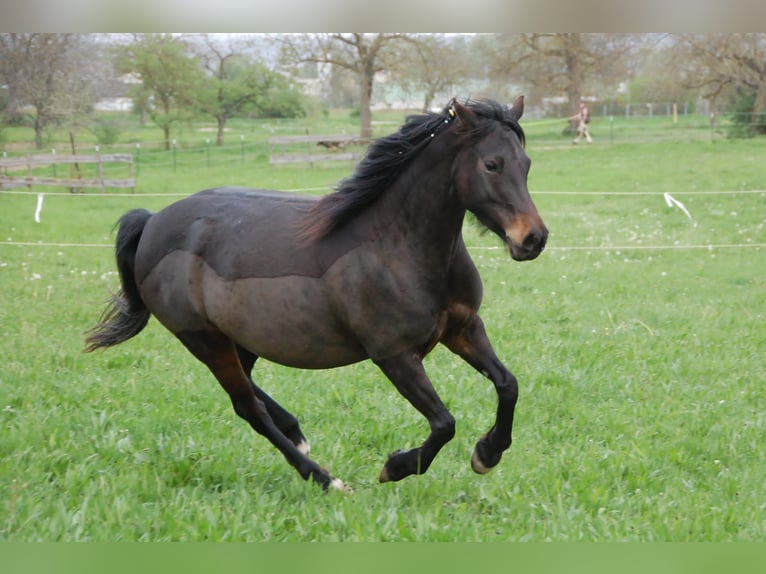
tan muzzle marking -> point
(519, 229)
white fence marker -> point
(40, 198)
(671, 201)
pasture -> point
(638, 339)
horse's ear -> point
(466, 115)
(517, 108)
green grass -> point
(640, 362)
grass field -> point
(638, 340)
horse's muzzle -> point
(531, 246)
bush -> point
(283, 102)
(107, 132)
(743, 122)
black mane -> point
(386, 158)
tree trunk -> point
(759, 106)
(573, 51)
(39, 127)
(75, 172)
(221, 126)
(365, 100)
(428, 100)
(574, 84)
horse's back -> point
(238, 232)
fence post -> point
(130, 175)
(138, 159)
(242, 148)
(100, 169)
(308, 149)
(207, 151)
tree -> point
(656, 78)
(49, 79)
(169, 77)
(717, 63)
(564, 63)
(363, 54)
(232, 83)
(431, 65)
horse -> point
(377, 270)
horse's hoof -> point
(478, 466)
(484, 458)
(384, 474)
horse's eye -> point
(491, 165)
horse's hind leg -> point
(468, 338)
(220, 355)
(407, 373)
(285, 421)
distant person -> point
(582, 117)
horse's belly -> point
(287, 320)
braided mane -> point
(387, 157)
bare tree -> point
(657, 73)
(49, 79)
(717, 63)
(363, 54)
(563, 63)
(430, 65)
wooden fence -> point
(303, 149)
(10, 166)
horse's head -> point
(490, 176)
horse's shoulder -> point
(464, 279)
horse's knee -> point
(508, 388)
(444, 429)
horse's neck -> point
(426, 212)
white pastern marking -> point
(338, 484)
(304, 447)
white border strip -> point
(331, 187)
(709, 247)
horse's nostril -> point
(530, 240)
(535, 239)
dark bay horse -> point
(375, 270)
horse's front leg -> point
(468, 338)
(409, 377)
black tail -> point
(125, 315)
